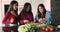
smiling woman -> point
(10, 20)
(26, 15)
(43, 16)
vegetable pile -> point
(27, 28)
(33, 27)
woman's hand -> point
(26, 21)
(12, 20)
(40, 20)
(44, 19)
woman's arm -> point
(5, 18)
(48, 17)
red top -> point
(8, 18)
(25, 16)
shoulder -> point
(7, 13)
(36, 15)
(48, 12)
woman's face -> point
(40, 9)
(15, 6)
(28, 8)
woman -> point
(43, 16)
(26, 15)
(10, 20)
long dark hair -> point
(11, 6)
(44, 11)
(25, 8)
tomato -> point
(46, 29)
(51, 29)
(43, 28)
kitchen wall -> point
(0, 18)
